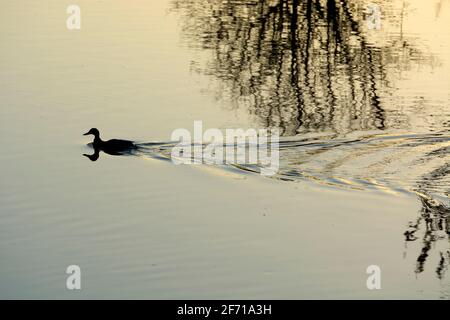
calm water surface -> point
(364, 175)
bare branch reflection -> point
(311, 66)
(299, 65)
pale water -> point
(364, 154)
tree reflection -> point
(311, 66)
(434, 219)
(299, 65)
(435, 222)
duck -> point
(113, 146)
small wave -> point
(394, 163)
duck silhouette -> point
(115, 147)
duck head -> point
(93, 131)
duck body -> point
(113, 146)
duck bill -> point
(86, 134)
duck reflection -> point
(114, 147)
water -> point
(364, 162)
